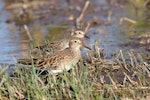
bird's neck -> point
(76, 51)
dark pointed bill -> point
(86, 37)
(84, 46)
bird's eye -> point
(79, 32)
(75, 41)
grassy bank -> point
(125, 77)
(95, 79)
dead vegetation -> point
(94, 78)
(119, 78)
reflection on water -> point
(110, 40)
(11, 42)
(15, 44)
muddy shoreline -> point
(117, 67)
(53, 20)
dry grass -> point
(97, 78)
(122, 78)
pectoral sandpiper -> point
(58, 61)
(59, 45)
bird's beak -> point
(86, 37)
(84, 46)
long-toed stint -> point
(58, 61)
(59, 45)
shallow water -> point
(11, 43)
(15, 45)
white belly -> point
(61, 69)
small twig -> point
(128, 77)
(114, 94)
(131, 60)
(102, 79)
(127, 19)
(18, 93)
(28, 32)
(124, 63)
(83, 11)
(136, 64)
(126, 88)
(112, 81)
(130, 80)
(3, 69)
(140, 81)
(2, 81)
(124, 80)
(79, 19)
(87, 27)
(146, 68)
(135, 88)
